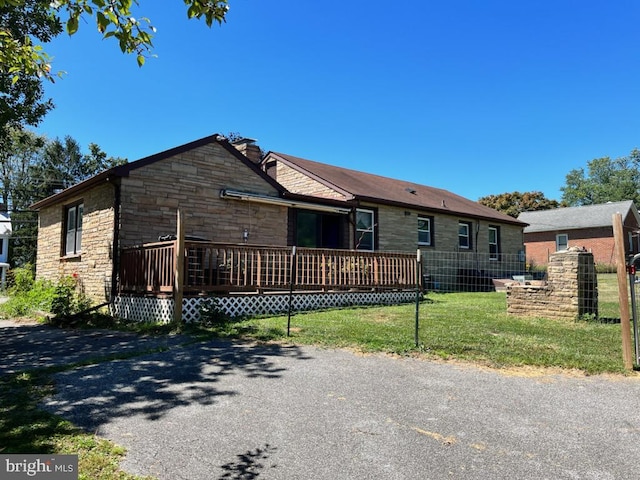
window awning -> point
(258, 198)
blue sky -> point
(476, 97)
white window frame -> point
(422, 218)
(73, 229)
(362, 231)
(467, 226)
(558, 243)
(496, 254)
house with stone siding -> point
(588, 227)
(230, 193)
(388, 214)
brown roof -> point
(383, 190)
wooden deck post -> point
(178, 282)
(623, 292)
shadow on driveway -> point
(151, 385)
(159, 373)
(32, 346)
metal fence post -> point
(418, 272)
(631, 269)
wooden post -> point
(291, 274)
(623, 292)
(178, 276)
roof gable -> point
(123, 170)
(573, 218)
(383, 190)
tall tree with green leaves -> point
(514, 203)
(606, 180)
(63, 164)
(32, 168)
(116, 19)
(21, 96)
(20, 151)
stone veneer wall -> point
(570, 291)
(297, 182)
(92, 268)
(191, 181)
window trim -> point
(76, 231)
(494, 256)
(469, 245)
(372, 230)
(558, 235)
(429, 220)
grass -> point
(608, 300)
(25, 428)
(466, 326)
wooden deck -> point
(224, 268)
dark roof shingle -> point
(375, 188)
(573, 218)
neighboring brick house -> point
(230, 197)
(589, 227)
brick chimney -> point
(248, 147)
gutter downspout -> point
(115, 247)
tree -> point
(20, 151)
(515, 203)
(32, 168)
(606, 180)
(63, 165)
(113, 18)
(21, 97)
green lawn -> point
(608, 300)
(465, 326)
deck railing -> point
(215, 267)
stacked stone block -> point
(571, 289)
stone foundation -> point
(570, 291)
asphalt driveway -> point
(219, 410)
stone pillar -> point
(571, 289)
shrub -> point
(21, 279)
(211, 313)
(68, 298)
(605, 268)
(30, 297)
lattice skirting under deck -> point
(156, 309)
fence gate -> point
(634, 286)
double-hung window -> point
(494, 243)
(464, 235)
(562, 242)
(365, 229)
(73, 229)
(424, 230)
